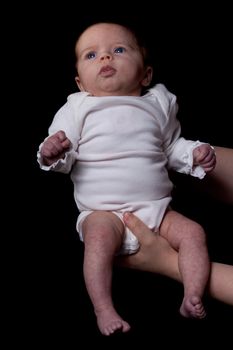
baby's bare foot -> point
(110, 322)
(192, 307)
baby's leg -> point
(103, 234)
(188, 238)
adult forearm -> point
(219, 183)
(164, 261)
(220, 284)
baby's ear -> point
(148, 76)
(77, 80)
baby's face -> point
(110, 62)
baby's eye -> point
(91, 55)
(119, 50)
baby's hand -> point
(204, 155)
(54, 148)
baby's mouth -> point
(107, 71)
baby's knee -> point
(196, 231)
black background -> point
(192, 47)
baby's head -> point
(111, 61)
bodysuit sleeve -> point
(178, 150)
(68, 120)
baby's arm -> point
(204, 155)
(54, 148)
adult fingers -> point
(137, 227)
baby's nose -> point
(105, 56)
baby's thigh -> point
(175, 227)
(102, 224)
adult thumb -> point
(136, 226)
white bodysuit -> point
(121, 149)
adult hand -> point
(155, 254)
